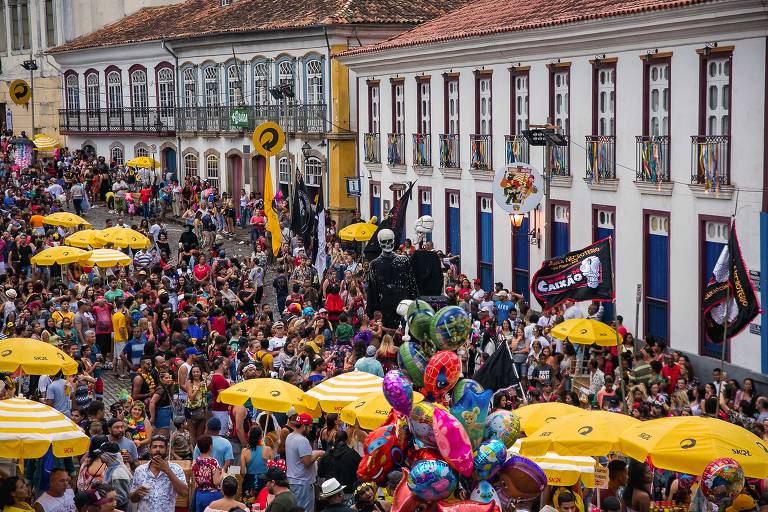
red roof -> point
(484, 17)
(195, 18)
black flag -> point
(730, 280)
(301, 216)
(394, 221)
(586, 274)
(498, 372)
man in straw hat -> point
(332, 492)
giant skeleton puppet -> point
(390, 280)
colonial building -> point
(662, 107)
(189, 82)
(27, 29)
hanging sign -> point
(20, 92)
(518, 188)
(268, 139)
(239, 118)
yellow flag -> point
(273, 224)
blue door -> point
(170, 161)
(560, 230)
(376, 201)
(521, 260)
(604, 228)
(485, 242)
(657, 272)
(425, 205)
(453, 227)
(714, 240)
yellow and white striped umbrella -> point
(105, 258)
(28, 429)
(562, 470)
(337, 392)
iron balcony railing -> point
(144, 120)
(449, 151)
(480, 150)
(517, 149)
(422, 150)
(372, 143)
(710, 160)
(652, 158)
(396, 149)
(601, 158)
(558, 158)
(294, 118)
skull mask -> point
(591, 269)
(424, 224)
(386, 239)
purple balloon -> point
(398, 390)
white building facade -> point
(664, 113)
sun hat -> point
(330, 488)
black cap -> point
(610, 504)
(275, 474)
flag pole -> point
(727, 312)
(616, 323)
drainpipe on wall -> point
(176, 104)
(328, 121)
(764, 230)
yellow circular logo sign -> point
(20, 92)
(268, 139)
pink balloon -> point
(398, 390)
(453, 442)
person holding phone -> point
(157, 483)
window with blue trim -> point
(485, 242)
(560, 229)
(260, 83)
(315, 93)
(425, 206)
(657, 277)
(521, 260)
(605, 227)
(375, 189)
(285, 73)
(453, 227)
(714, 240)
(234, 84)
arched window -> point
(313, 171)
(140, 151)
(92, 92)
(115, 91)
(234, 85)
(260, 84)
(284, 170)
(139, 98)
(190, 87)
(118, 155)
(73, 93)
(165, 94)
(285, 73)
(190, 165)
(315, 93)
(211, 79)
(212, 170)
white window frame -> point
(658, 225)
(718, 75)
(117, 154)
(485, 111)
(606, 219)
(285, 73)
(21, 36)
(426, 197)
(211, 85)
(453, 106)
(486, 205)
(398, 91)
(315, 86)
(165, 88)
(261, 83)
(190, 87)
(425, 89)
(140, 151)
(139, 91)
(561, 100)
(658, 98)
(521, 103)
(376, 191)
(375, 99)
(453, 200)
(190, 165)
(284, 170)
(606, 101)
(115, 91)
(49, 12)
(92, 92)
(72, 92)
(562, 213)
(212, 170)
(716, 232)
(234, 85)
(313, 171)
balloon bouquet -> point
(452, 452)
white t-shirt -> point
(573, 312)
(64, 503)
(276, 343)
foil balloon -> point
(453, 442)
(521, 478)
(489, 459)
(442, 373)
(464, 384)
(415, 454)
(485, 493)
(413, 361)
(384, 450)
(422, 415)
(398, 390)
(722, 478)
(465, 506)
(431, 480)
(472, 411)
(504, 426)
(450, 327)
(403, 499)
(419, 317)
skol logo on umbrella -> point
(687, 443)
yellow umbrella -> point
(688, 443)
(34, 357)
(585, 331)
(60, 255)
(359, 232)
(65, 219)
(593, 433)
(371, 410)
(563, 470)
(273, 395)
(44, 142)
(119, 236)
(28, 429)
(144, 162)
(105, 258)
(335, 393)
(84, 239)
(534, 416)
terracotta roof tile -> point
(484, 17)
(195, 18)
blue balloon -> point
(472, 411)
(431, 480)
(489, 459)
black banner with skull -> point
(586, 274)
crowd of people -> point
(187, 320)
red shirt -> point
(145, 195)
(671, 374)
(201, 271)
(103, 316)
(218, 384)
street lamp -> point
(31, 66)
(517, 220)
(306, 149)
